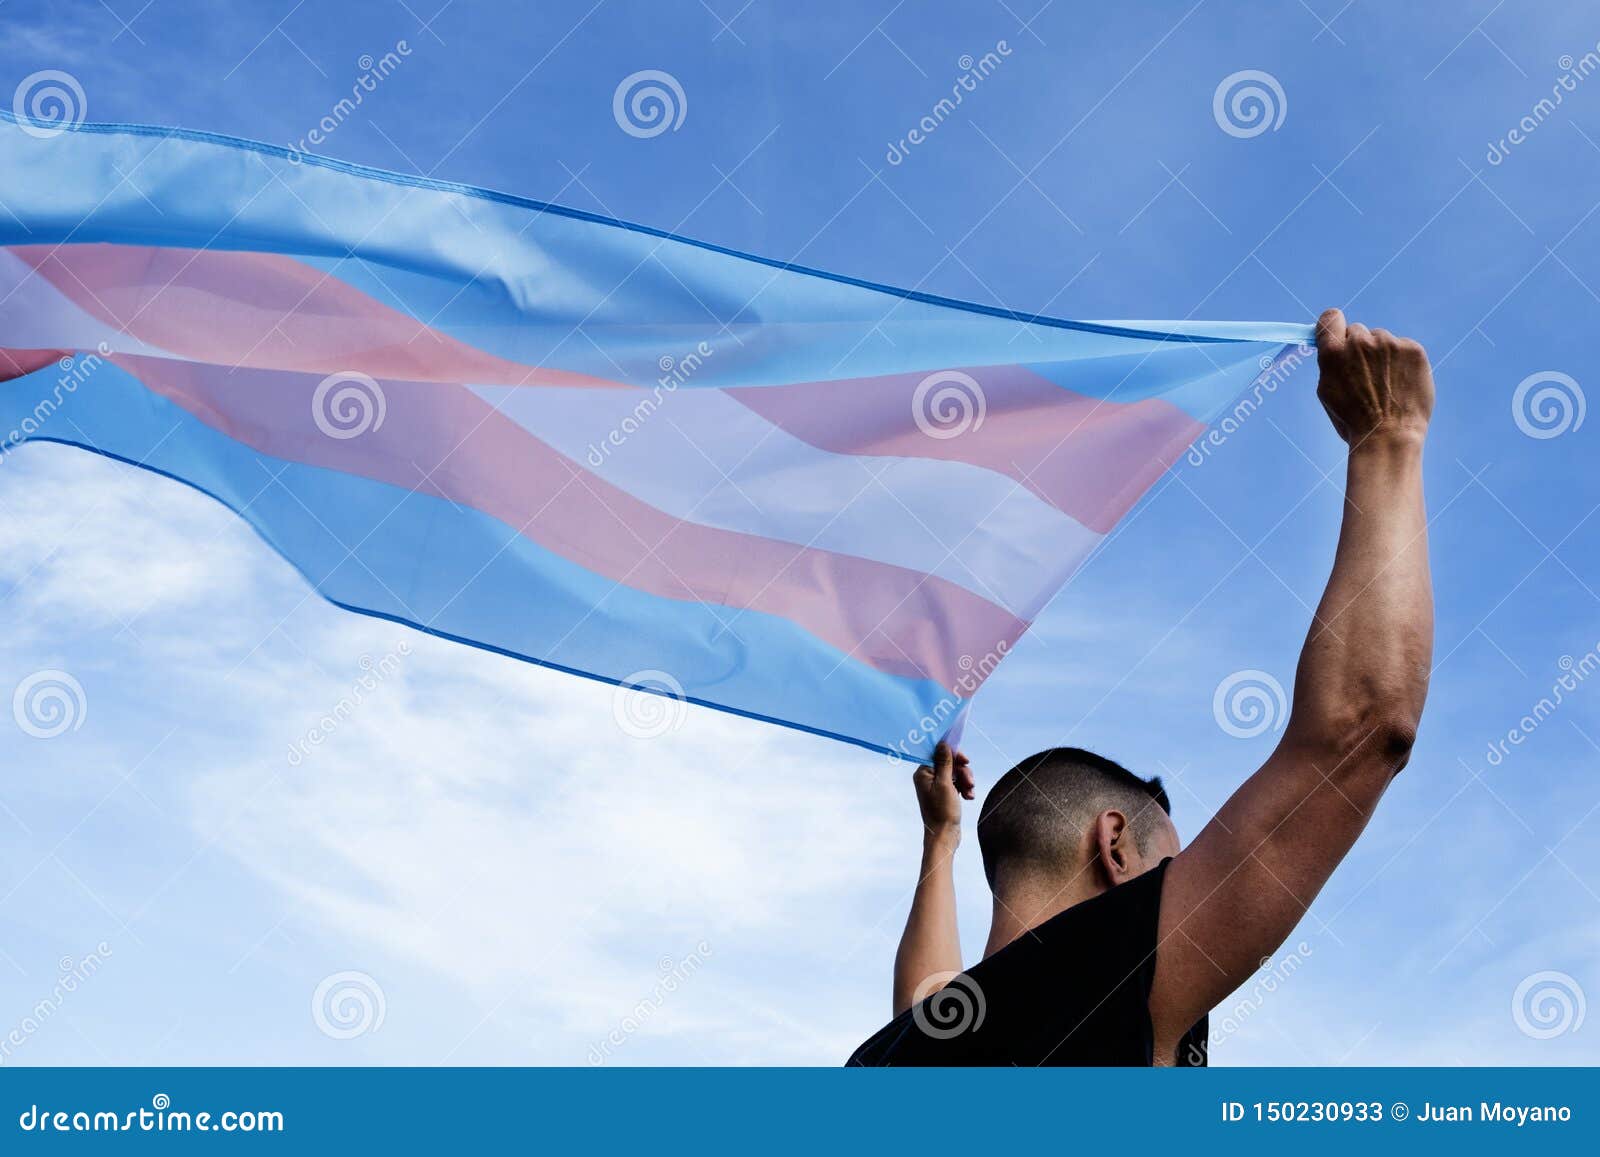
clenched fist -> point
(1373, 383)
(940, 790)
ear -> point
(1113, 847)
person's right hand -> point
(1373, 383)
(940, 790)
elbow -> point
(1395, 739)
(1358, 741)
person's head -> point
(1066, 815)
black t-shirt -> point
(1073, 991)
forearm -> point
(1363, 672)
(1250, 876)
(931, 943)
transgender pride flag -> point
(587, 444)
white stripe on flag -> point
(701, 456)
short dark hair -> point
(1039, 811)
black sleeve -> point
(1073, 991)
(1097, 960)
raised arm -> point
(930, 947)
(1234, 895)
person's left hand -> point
(940, 790)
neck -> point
(1028, 902)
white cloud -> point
(479, 824)
(89, 542)
(488, 819)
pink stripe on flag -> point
(445, 441)
(1089, 457)
(15, 363)
(266, 311)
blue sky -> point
(515, 875)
